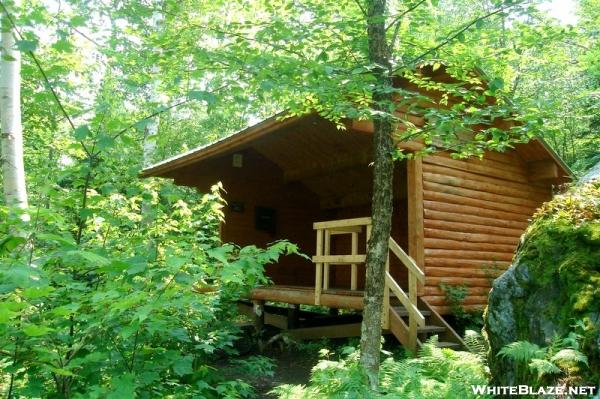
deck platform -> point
(301, 295)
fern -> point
(566, 357)
(543, 367)
(522, 351)
(476, 344)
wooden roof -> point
(307, 145)
(294, 142)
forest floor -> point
(290, 367)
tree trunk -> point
(13, 170)
(382, 201)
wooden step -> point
(402, 312)
(430, 329)
(451, 345)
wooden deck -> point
(405, 314)
(309, 325)
(299, 295)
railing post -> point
(354, 267)
(386, 297)
(412, 321)
(326, 265)
(319, 268)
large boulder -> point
(554, 281)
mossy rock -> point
(553, 283)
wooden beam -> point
(335, 331)
(342, 223)
(339, 259)
(367, 127)
(542, 170)
(333, 164)
(416, 246)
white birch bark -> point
(11, 129)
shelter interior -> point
(278, 185)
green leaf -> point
(183, 366)
(63, 45)
(64, 240)
(175, 261)
(202, 95)
(123, 387)
(26, 45)
(9, 243)
(38, 292)
(77, 20)
(33, 330)
(82, 132)
(92, 258)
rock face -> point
(554, 281)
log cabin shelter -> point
(455, 222)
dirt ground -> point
(290, 367)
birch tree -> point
(15, 192)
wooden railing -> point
(415, 275)
(323, 259)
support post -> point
(412, 321)
(326, 265)
(293, 315)
(319, 268)
(258, 310)
(415, 214)
(354, 266)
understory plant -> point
(110, 308)
(435, 373)
(561, 362)
(464, 320)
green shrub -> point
(436, 373)
(116, 314)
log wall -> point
(474, 212)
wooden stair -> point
(434, 325)
(407, 316)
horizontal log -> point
(459, 271)
(467, 281)
(494, 188)
(482, 195)
(471, 237)
(445, 310)
(509, 157)
(335, 331)
(430, 168)
(484, 204)
(339, 259)
(472, 210)
(508, 169)
(486, 221)
(471, 228)
(472, 264)
(463, 254)
(469, 300)
(485, 170)
(471, 291)
(305, 296)
(471, 246)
